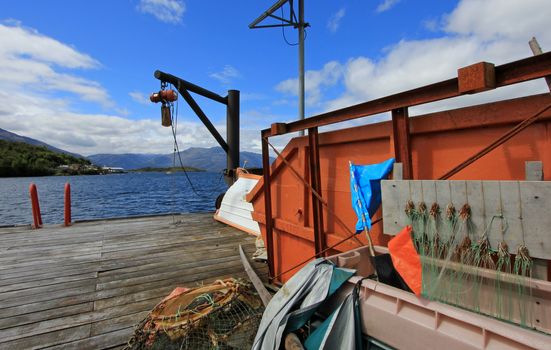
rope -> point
(174, 116)
(323, 251)
(314, 192)
(327, 208)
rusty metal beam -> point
(315, 181)
(402, 142)
(268, 206)
(523, 70)
(498, 142)
(510, 73)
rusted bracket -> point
(402, 143)
(268, 206)
(315, 180)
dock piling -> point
(37, 218)
(67, 202)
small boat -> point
(234, 209)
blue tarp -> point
(365, 187)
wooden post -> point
(402, 143)
(315, 181)
(536, 50)
(542, 268)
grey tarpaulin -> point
(297, 300)
(337, 332)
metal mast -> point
(296, 23)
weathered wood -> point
(110, 340)
(262, 291)
(48, 339)
(524, 206)
(85, 286)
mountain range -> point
(210, 159)
(13, 137)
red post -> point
(67, 204)
(37, 218)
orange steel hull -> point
(439, 141)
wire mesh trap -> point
(223, 315)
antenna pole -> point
(301, 26)
(297, 23)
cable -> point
(323, 251)
(283, 30)
(173, 126)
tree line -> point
(22, 159)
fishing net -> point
(460, 267)
(223, 315)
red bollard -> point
(37, 218)
(67, 204)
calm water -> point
(108, 196)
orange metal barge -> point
(428, 146)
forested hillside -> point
(21, 159)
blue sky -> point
(76, 74)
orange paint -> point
(439, 141)
(37, 218)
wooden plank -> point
(45, 315)
(534, 170)
(66, 291)
(121, 322)
(39, 275)
(54, 292)
(47, 282)
(262, 291)
(47, 339)
(102, 341)
(524, 206)
(163, 276)
(180, 266)
(23, 294)
(73, 320)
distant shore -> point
(170, 169)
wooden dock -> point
(86, 286)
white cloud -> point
(489, 30)
(386, 5)
(17, 41)
(335, 20)
(226, 75)
(314, 82)
(431, 24)
(29, 59)
(140, 97)
(499, 20)
(168, 11)
(30, 80)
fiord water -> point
(109, 196)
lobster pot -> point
(223, 315)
